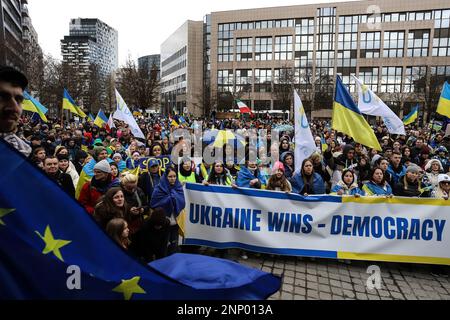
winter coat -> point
(372, 189)
(92, 191)
(317, 186)
(348, 190)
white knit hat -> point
(103, 166)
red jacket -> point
(89, 197)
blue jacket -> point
(298, 184)
(245, 176)
(148, 182)
(396, 175)
(350, 192)
(372, 189)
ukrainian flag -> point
(412, 116)
(69, 104)
(444, 102)
(348, 119)
(101, 119)
(32, 105)
(91, 117)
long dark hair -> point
(275, 182)
(213, 176)
(108, 204)
(115, 228)
(372, 172)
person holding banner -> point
(186, 172)
(377, 186)
(409, 184)
(347, 185)
(307, 182)
(249, 176)
(278, 181)
(219, 175)
(169, 195)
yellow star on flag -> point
(52, 244)
(128, 287)
(4, 212)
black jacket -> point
(64, 181)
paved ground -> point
(326, 279)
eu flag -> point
(44, 234)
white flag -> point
(123, 113)
(304, 142)
(369, 103)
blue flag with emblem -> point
(45, 237)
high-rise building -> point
(91, 46)
(11, 33)
(152, 64)
(182, 70)
(400, 49)
(32, 51)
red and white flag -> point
(243, 108)
(110, 123)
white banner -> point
(304, 141)
(123, 113)
(369, 103)
(366, 228)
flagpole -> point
(62, 113)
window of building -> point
(283, 48)
(415, 79)
(263, 80)
(394, 43)
(441, 40)
(263, 48)
(369, 76)
(244, 80)
(244, 49)
(225, 50)
(225, 80)
(261, 105)
(418, 41)
(391, 79)
(370, 45)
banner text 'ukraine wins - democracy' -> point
(395, 227)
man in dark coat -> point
(62, 179)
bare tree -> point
(283, 87)
(136, 87)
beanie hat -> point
(98, 150)
(278, 166)
(63, 157)
(117, 155)
(103, 166)
(413, 168)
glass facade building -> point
(399, 53)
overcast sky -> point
(142, 24)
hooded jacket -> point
(432, 177)
(318, 186)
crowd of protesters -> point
(138, 207)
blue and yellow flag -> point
(101, 119)
(444, 101)
(348, 119)
(69, 104)
(91, 117)
(412, 116)
(47, 240)
(31, 104)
